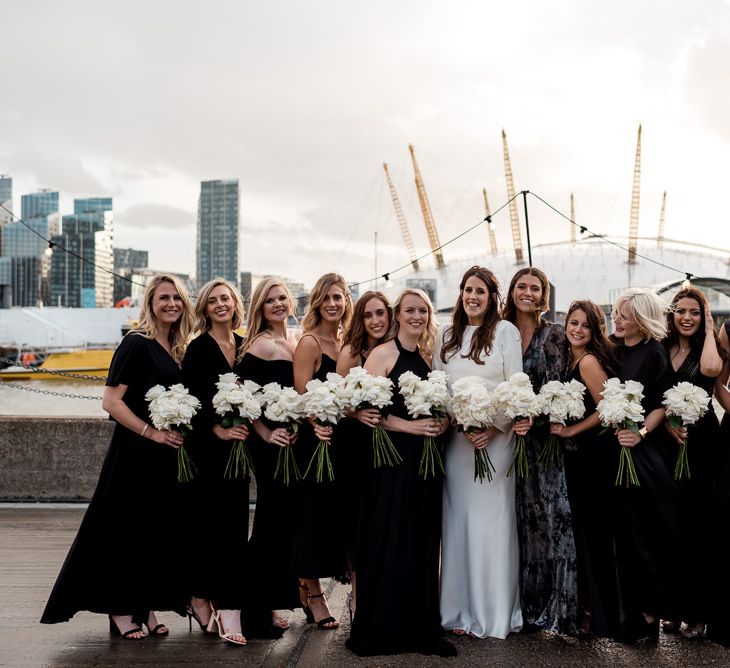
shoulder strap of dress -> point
(398, 344)
(313, 337)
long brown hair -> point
(257, 324)
(428, 336)
(356, 336)
(313, 317)
(600, 345)
(697, 340)
(509, 312)
(481, 342)
(180, 330)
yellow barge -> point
(93, 362)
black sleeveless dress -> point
(590, 475)
(648, 522)
(319, 519)
(271, 584)
(218, 506)
(703, 441)
(127, 557)
(398, 547)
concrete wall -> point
(53, 458)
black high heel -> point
(305, 604)
(192, 615)
(321, 623)
(127, 635)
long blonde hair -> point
(202, 321)
(180, 330)
(313, 317)
(428, 336)
(648, 308)
(257, 324)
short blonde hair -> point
(648, 308)
(428, 337)
(313, 317)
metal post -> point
(527, 227)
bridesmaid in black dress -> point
(400, 523)
(548, 566)
(694, 353)
(218, 505)
(319, 534)
(590, 473)
(125, 559)
(268, 358)
(718, 623)
(648, 536)
(370, 324)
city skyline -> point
(303, 106)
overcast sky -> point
(303, 102)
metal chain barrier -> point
(54, 372)
(13, 384)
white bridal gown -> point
(480, 555)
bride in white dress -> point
(480, 554)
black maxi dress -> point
(648, 517)
(320, 521)
(218, 506)
(718, 619)
(590, 475)
(548, 567)
(127, 554)
(272, 585)
(398, 547)
(703, 443)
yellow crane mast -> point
(433, 238)
(407, 239)
(635, 192)
(514, 218)
(572, 217)
(660, 238)
(490, 224)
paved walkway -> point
(33, 543)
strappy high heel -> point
(192, 615)
(127, 635)
(321, 623)
(305, 605)
(216, 623)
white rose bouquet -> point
(368, 391)
(284, 405)
(426, 397)
(621, 408)
(237, 403)
(686, 403)
(325, 402)
(560, 402)
(516, 399)
(174, 407)
(471, 404)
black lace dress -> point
(590, 476)
(218, 506)
(648, 517)
(398, 547)
(128, 553)
(548, 567)
(271, 582)
(319, 519)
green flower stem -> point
(483, 466)
(286, 466)
(240, 464)
(549, 455)
(430, 458)
(186, 470)
(324, 463)
(681, 468)
(519, 459)
(626, 475)
(384, 452)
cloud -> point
(155, 216)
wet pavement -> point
(33, 543)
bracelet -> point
(146, 427)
